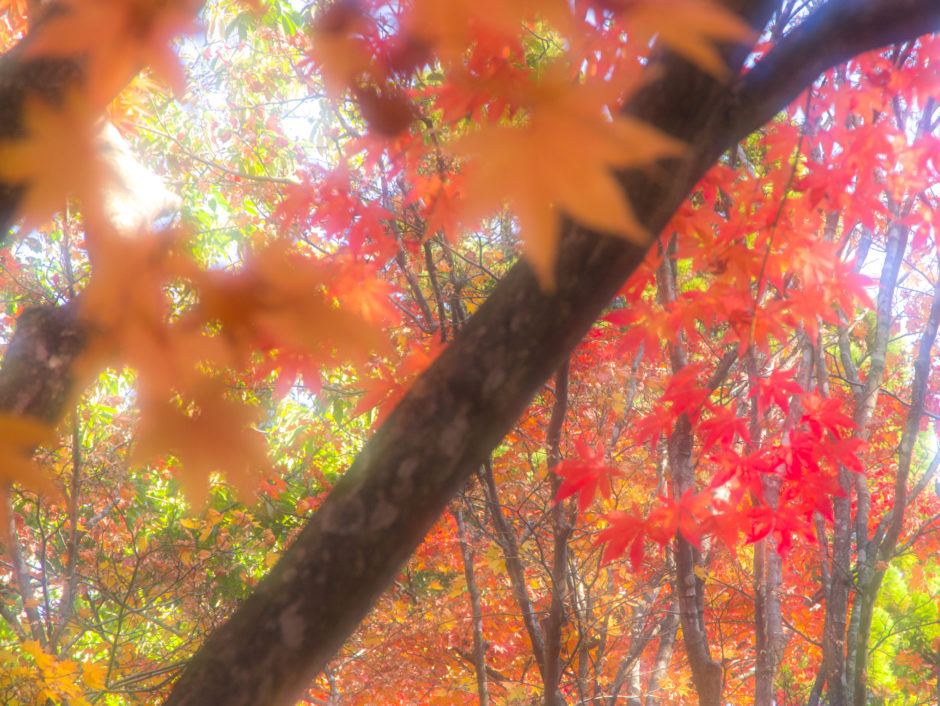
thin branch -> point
(228, 171)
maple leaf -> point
(214, 433)
(575, 175)
(725, 522)
(441, 200)
(386, 392)
(117, 38)
(847, 289)
(125, 302)
(825, 413)
(844, 452)
(685, 393)
(721, 428)
(277, 301)
(362, 290)
(585, 475)
(340, 48)
(788, 524)
(760, 523)
(19, 436)
(777, 388)
(57, 157)
(692, 508)
(451, 24)
(287, 366)
(298, 201)
(624, 530)
(451, 27)
(688, 27)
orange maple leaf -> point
(561, 159)
(690, 28)
(126, 303)
(57, 157)
(339, 46)
(215, 433)
(278, 301)
(19, 436)
(118, 38)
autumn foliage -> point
(725, 492)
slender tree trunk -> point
(765, 667)
(669, 629)
(885, 542)
(506, 538)
(592, 634)
(874, 554)
(840, 571)
(768, 567)
(844, 681)
(634, 696)
(476, 612)
(640, 637)
(706, 672)
(561, 531)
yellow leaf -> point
(494, 560)
(31, 647)
(94, 675)
(371, 640)
(44, 661)
(517, 694)
(458, 587)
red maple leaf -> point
(777, 388)
(624, 530)
(585, 475)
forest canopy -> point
(456, 352)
